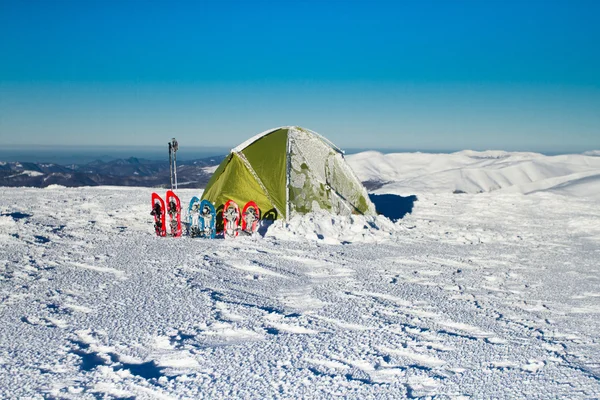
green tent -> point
(288, 171)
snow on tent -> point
(288, 171)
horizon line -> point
(227, 149)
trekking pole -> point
(175, 148)
(171, 164)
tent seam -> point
(288, 168)
(326, 141)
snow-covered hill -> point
(475, 172)
(492, 295)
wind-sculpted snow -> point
(473, 296)
(476, 172)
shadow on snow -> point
(393, 206)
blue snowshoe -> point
(194, 217)
(207, 219)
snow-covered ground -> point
(487, 295)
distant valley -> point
(120, 172)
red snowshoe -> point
(250, 218)
(174, 211)
(158, 211)
(231, 219)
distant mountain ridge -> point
(120, 172)
(465, 171)
(470, 171)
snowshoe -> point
(194, 217)
(174, 211)
(158, 207)
(250, 218)
(231, 219)
(207, 219)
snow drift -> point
(334, 229)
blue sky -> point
(443, 75)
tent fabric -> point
(237, 183)
(320, 178)
(268, 157)
(289, 171)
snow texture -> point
(491, 295)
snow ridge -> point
(475, 172)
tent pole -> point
(287, 175)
